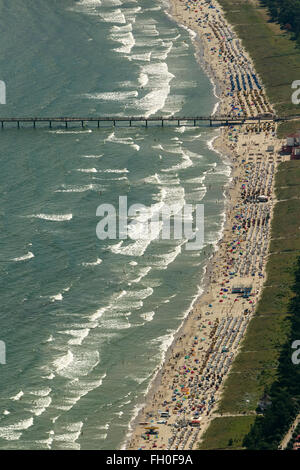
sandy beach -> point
(184, 395)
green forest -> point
(286, 13)
(270, 427)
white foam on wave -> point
(114, 170)
(153, 179)
(123, 35)
(147, 224)
(12, 432)
(140, 294)
(159, 78)
(56, 297)
(50, 376)
(120, 178)
(148, 28)
(158, 146)
(168, 258)
(153, 9)
(43, 392)
(18, 396)
(87, 170)
(40, 405)
(115, 16)
(77, 335)
(98, 314)
(52, 217)
(29, 255)
(93, 263)
(76, 389)
(198, 193)
(122, 29)
(69, 132)
(113, 96)
(197, 180)
(79, 189)
(143, 79)
(137, 230)
(116, 323)
(226, 171)
(163, 55)
(148, 316)
(90, 2)
(110, 3)
(191, 32)
(77, 364)
(164, 342)
(63, 362)
(69, 433)
(118, 140)
(185, 163)
(143, 57)
(142, 274)
(146, 42)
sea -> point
(86, 323)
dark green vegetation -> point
(286, 13)
(264, 367)
(275, 54)
(227, 432)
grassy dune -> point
(225, 433)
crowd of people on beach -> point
(240, 82)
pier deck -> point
(162, 121)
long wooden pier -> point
(161, 120)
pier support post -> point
(18, 124)
(34, 124)
(50, 124)
(146, 123)
(2, 124)
(114, 122)
(81, 123)
(162, 123)
(178, 123)
(98, 124)
(130, 123)
(210, 123)
(66, 124)
(194, 122)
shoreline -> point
(221, 144)
(196, 41)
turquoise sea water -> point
(87, 322)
